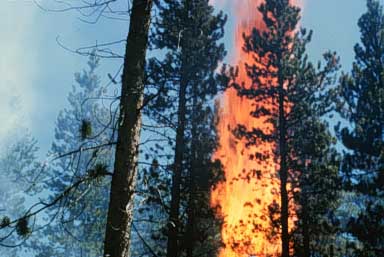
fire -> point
(251, 186)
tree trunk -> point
(190, 232)
(172, 246)
(120, 212)
(283, 170)
(331, 251)
(174, 222)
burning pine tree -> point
(275, 92)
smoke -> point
(17, 65)
(219, 3)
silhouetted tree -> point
(362, 98)
(184, 84)
(317, 184)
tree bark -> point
(120, 212)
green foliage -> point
(317, 164)
(368, 229)
(85, 129)
(188, 32)
(361, 102)
(22, 228)
(99, 170)
(18, 163)
(5, 222)
(293, 95)
(98, 173)
(77, 225)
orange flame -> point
(250, 186)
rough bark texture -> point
(120, 212)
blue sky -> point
(36, 73)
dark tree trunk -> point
(331, 251)
(174, 223)
(120, 212)
(283, 169)
(190, 232)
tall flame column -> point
(251, 186)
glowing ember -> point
(251, 186)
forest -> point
(206, 141)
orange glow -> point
(251, 186)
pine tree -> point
(184, 84)
(202, 232)
(120, 210)
(78, 231)
(316, 163)
(288, 92)
(362, 98)
(17, 162)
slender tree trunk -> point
(120, 212)
(190, 233)
(174, 223)
(283, 170)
